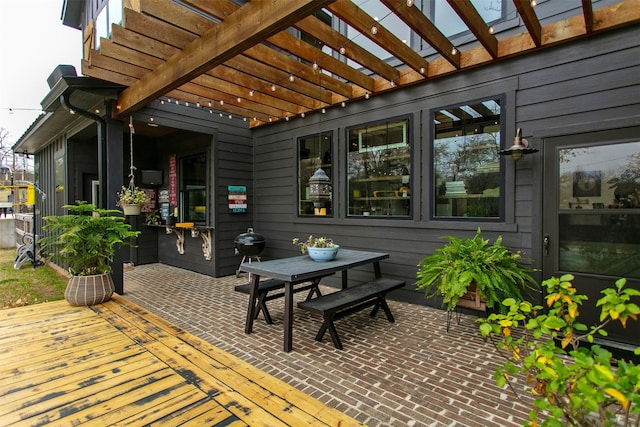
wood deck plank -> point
(246, 372)
(116, 364)
(283, 401)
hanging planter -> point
(133, 209)
(131, 199)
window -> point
(378, 168)
(314, 153)
(449, 23)
(466, 164)
(193, 189)
(110, 14)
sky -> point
(33, 42)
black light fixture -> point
(519, 148)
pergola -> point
(246, 61)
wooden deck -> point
(117, 364)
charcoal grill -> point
(250, 245)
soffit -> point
(203, 52)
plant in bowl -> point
(473, 266)
(318, 248)
(85, 241)
(130, 198)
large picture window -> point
(466, 165)
(378, 168)
(314, 154)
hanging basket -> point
(89, 290)
(131, 209)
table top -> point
(302, 268)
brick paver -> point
(408, 373)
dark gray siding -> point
(229, 147)
(579, 83)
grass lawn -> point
(28, 285)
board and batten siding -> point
(560, 87)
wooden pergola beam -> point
(246, 27)
(530, 20)
(476, 25)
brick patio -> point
(409, 373)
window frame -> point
(413, 196)
(298, 201)
(503, 212)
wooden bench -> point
(340, 304)
(267, 287)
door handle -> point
(545, 241)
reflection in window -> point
(193, 189)
(378, 168)
(599, 209)
(314, 152)
(466, 163)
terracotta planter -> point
(89, 290)
(131, 209)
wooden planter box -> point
(472, 300)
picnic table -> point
(301, 269)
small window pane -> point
(466, 162)
(314, 152)
(378, 167)
(193, 194)
(450, 23)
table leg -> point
(376, 269)
(288, 317)
(253, 298)
(345, 280)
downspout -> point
(102, 147)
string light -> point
(374, 29)
(239, 99)
(534, 3)
(366, 95)
(343, 104)
(315, 65)
(409, 3)
(491, 30)
(251, 92)
(343, 50)
(273, 87)
(291, 78)
(222, 102)
(209, 103)
(198, 104)
(454, 51)
(302, 114)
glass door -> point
(591, 223)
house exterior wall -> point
(580, 83)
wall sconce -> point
(519, 148)
(319, 190)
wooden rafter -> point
(419, 23)
(202, 51)
(476, 25)
(587, 12)
(530, 20)
(246, 27)
(358, 19)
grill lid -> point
(249, 238)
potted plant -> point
(85, 241)
(472, 268)
(318, 248)
(130, 200)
